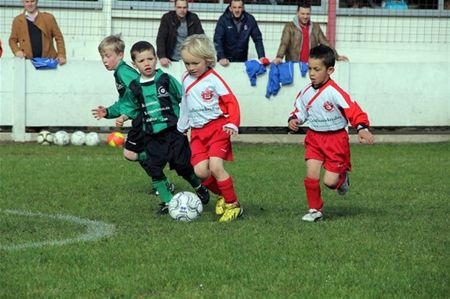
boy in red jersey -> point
(328, 109)
(210, 109)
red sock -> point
(227, 190)
(341, 180)
(312, 187)
(211, 184)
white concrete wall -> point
(400, 94)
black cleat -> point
(163, 209)
(203, 194)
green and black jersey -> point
(123, 76)
(156, 101)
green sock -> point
(193, 180)
(162, 187)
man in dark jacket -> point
(232, 34)
(175, 26)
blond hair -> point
(112, 42)
(200, 46)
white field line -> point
(94, 230)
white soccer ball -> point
(78, 138)
(44, 137)
(61, 138)
(92, 139)
(185, 206)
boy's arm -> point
(126, 105)
(183, 119)
(230, 106)
(175, 88)
(299, 115)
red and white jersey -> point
(328, 108)
(205, 99)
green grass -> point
(387, 238)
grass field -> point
(387, 238)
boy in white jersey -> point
(210, 109)
(328, 109)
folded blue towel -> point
(43, 63)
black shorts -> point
(135, 137)
(168, 146)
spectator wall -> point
(399, 68)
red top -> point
(304, 53)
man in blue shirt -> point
(232, 34)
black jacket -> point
(232, 44)
(167, 33)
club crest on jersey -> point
(207, 95)
(328, 106)
(162, 92)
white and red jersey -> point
(328, 108)
(205, 99)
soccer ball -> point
(115, 139)
(92, 139)
(45, 138)
(61, 138)
(78, 138)
(185, 206)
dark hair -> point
(140, 47)
(324, 53)
(304, 4)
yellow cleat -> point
(232, 211)
(220, 205)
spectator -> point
(233, 31)
(300, 35)
(175, 26)
(33, 32)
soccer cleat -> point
(345, 186)
(163, 209)
(232, 211)
(313, 215)
(203, 194)
(220, 205)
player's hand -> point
(342, 58)
(230, 131)
(20, 54)
(99, 112)
(364, 136)
(165, 62)
(224, 62)
(61, 60)
(293, 124)
(119, 121)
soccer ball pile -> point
(62, 138)
(185, 206)
(45, 138)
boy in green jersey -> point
(154, 98)
(111, 50)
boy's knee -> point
(129, 155)
(330, 183)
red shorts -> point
(211, 141)
(332, 148)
